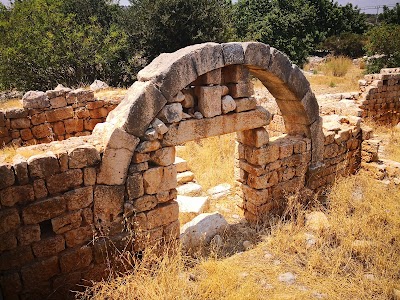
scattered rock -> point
(268, 255)
(217, 241)
(228, 104)
(310, 240)
(247, 245)
(219, 191)
(190, 207)
(185, 177)
(317, 221)
(198, 115)
(319, 295)
(190, 189)
(202, 229)
(98, 85)
(288, 278)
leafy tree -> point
(156, 26)
(390, 16)
(384, 40)
(346, 44)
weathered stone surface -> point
(138, 167)
(189, 100)
(190, 207)
(75, 259)
(240, 90)
(235, 74)
(196, 129)
(79, 236)
(66, 222)
(317, 221)
(79, 198)
(117, 157)
(43, 165)
(108, 202)
(181, 164)
(151, 135)
(59, 114)
(35, 99)
(58, 102)
(212, 77)
(9, 220)
(257, 197)
(162, 215)
(148, 146)
(79, 96)
(48, 268)
(219, 191)
(256, 55)
(190, 189)
(245, 104)
(233, 53)
(10, 285)
(43, 210)
(73, 125)
(20, 123)
(83, 156)
(42, 131)
(164, 156)
(159, 126)
(15, 258)
(171, 113)
(134, 186)
(14, 113)
(17, 194)
(28, 234)
(49, 247)
(89, 176)
(209, 100)
(257, 137)
(64, 181)
(8, 241)
(228, 104)
(202, 229)
(7, 177)
(144, 203)
(39, 186)
(98, 85)
(185, 177)
(159, 179)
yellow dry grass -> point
(110, 93)
(356, 257)
(390, 137)
(10, 103)
(8, 153)
(211, 159)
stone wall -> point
(53, 116)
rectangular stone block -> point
(20, 123)
(83, 156)
(79, 236)
(162, 215)
(73, 125)
(7, 177)
(159, 179)
(212, 77)
(263, 155)
(264, 181)
(164, 156)
(39, 186)
(79, 198)
(257, 137)
(76, 259)
(58, 102)
(59, 114)
(66, 222)
(43, 210)
(241, 90)
(17, 194)
(134, 186)
(235, 74)
(48, 268)
(98, 113)
(28, 234)
(49, 247)
(145, 203)
(108, 202)
(9, 220)
(209, 100)
(257, 197)
(39, 118)
(64, 181)
(245, 104)
(89, 176)
(15, 258)
(26, 134)
(42, 131)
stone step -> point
(190, 207)
(219, 191)
(181, 165)
(185, 177)
(190, 189)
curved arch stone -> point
(160, 81)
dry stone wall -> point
(65, 213)
(53, 116)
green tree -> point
(156, 26)
(346, 44)
(390, 16)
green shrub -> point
(347, 44)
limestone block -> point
(17, 194)
(193, 129)
(202, 229)
(256, 55)
(190, 189)
(116, 158)
(159, 179)
(20, 123)
(15, 113)
(59, 128)
(98, 113)
(151, 135)
(164, 214)
(8, 241)
(165, 196)
(89, 176)
(108, 202)
(159, 126)
(245, 104)
(42, 131)
(235, 74)
(184, 177)
(59, 114)
(38, 118)
(233, 53)
(66, 222)
(139, 158)
(148, 146)
(79, 96)
(9, 220)
(285, 149)
(58, 102)
(76, 259)
(212, 77)
(73, 125)
(241, 90)
(164, 156)
(189, 100)
(280, 65)
(43, 165)
(225, 90)
(317, 139)
(7, 177)
(83, 156)
(228, 104)
(79, 236)
(138, 167)
(253, 169)
(264, 155)
(257, 137)
(134, 186)
(43, 210)
(64, 181)
(145, 203)
(49, 247)
(298, 83)
(181, 164)
(264, 181)
(209, 100)
(171, 231)
(190, 207)
(28, 234)
(39, 186)
(256, 197)
(179, 97)
(48, 268)
(219, 191)
(79, 198)
(35, 99)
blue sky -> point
(364, 4)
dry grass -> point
(336, 66)
(8, 153)
(110, 93)
(10, 103)
(390, 137)
(211, 159)
(357, 257)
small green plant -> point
(332, 84)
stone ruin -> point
(65, 213)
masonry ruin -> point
(62, 209)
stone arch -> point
(162, 80)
